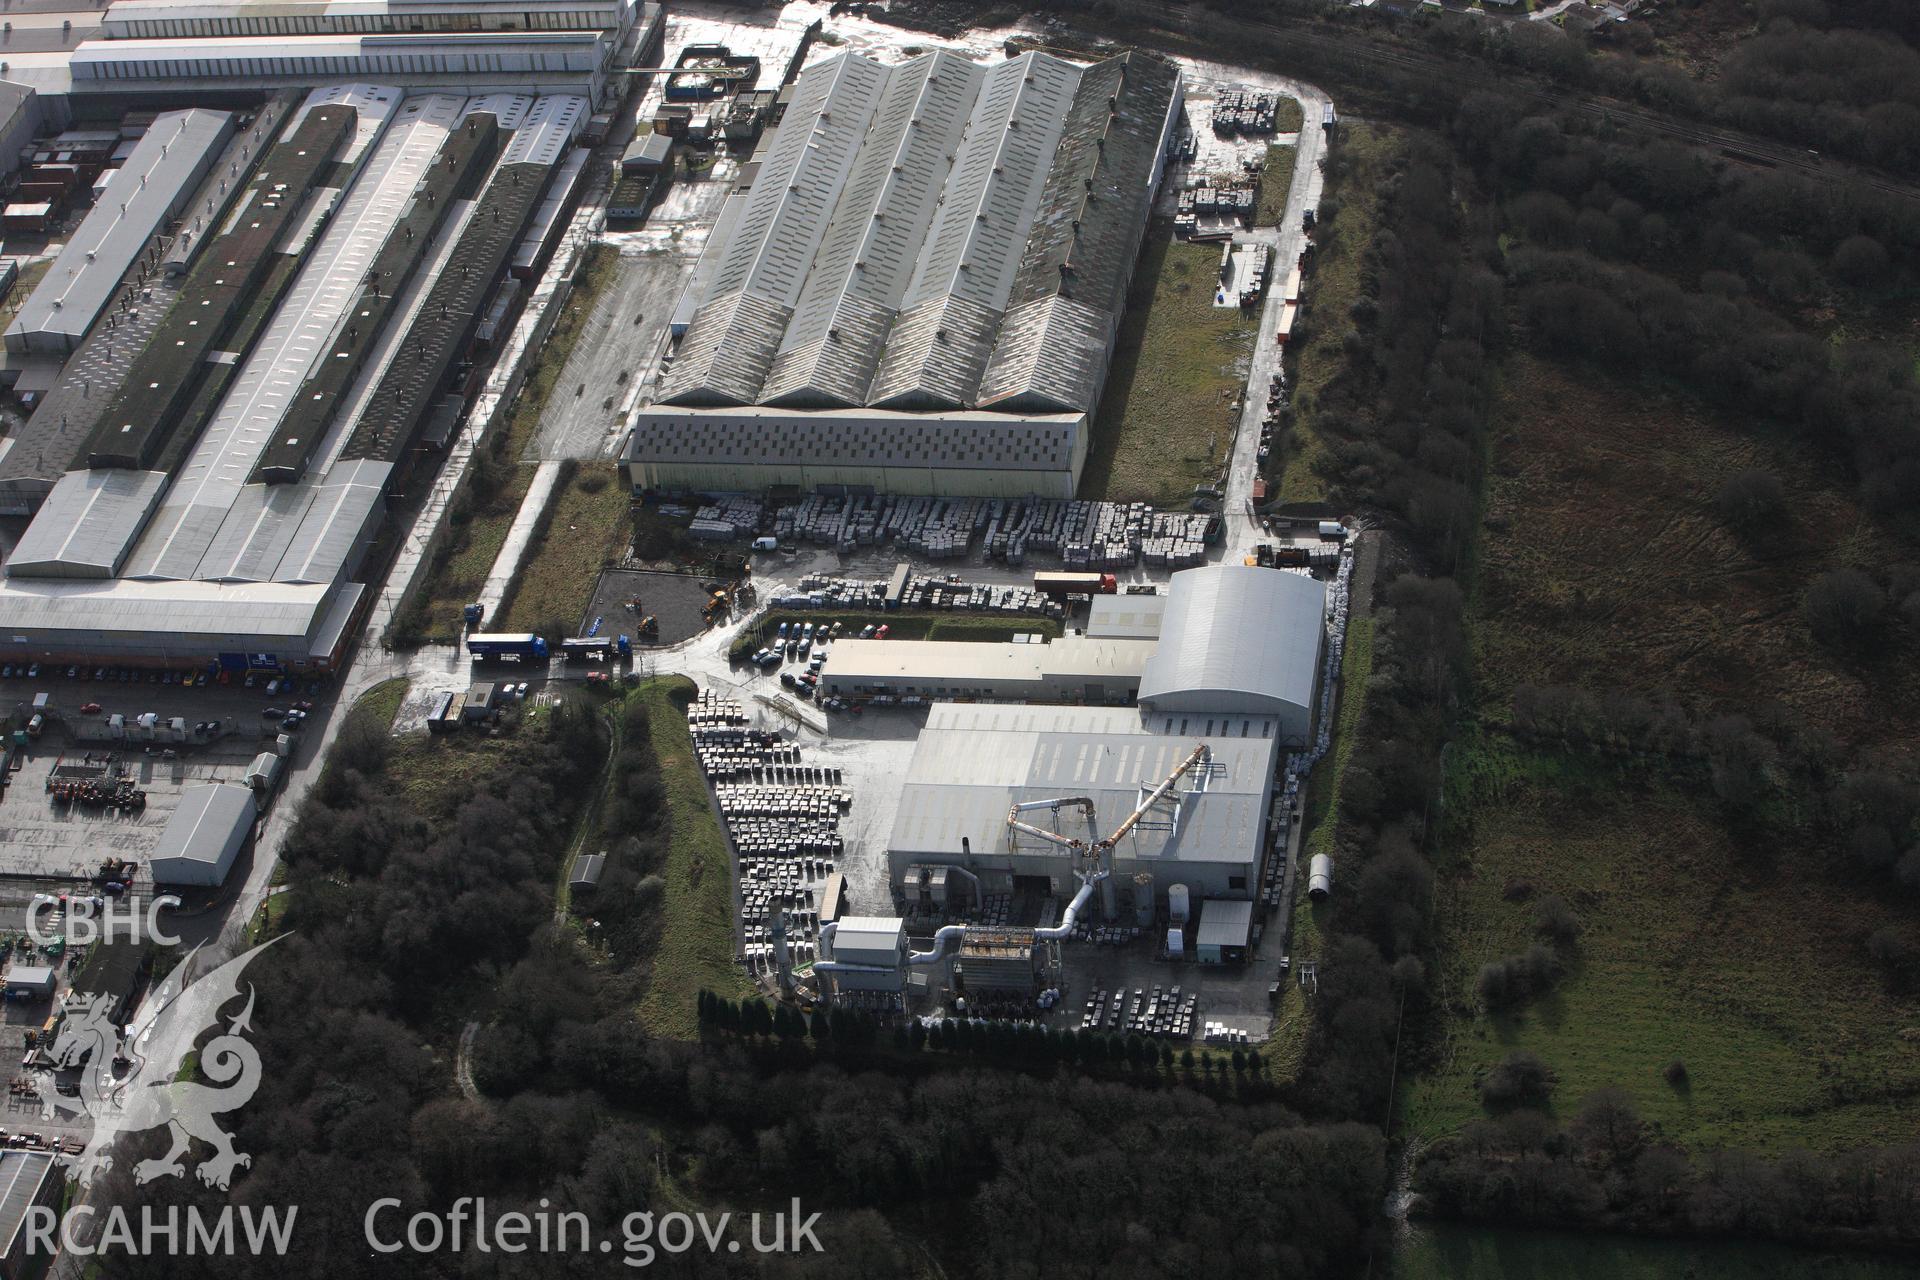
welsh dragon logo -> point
(130, 1080)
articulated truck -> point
(506, 645)
(1075, 584)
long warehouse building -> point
(143, 194)
(534, 47)
(918, 286)
(220, 508)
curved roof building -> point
(1239, 637)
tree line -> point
(1604, 1168)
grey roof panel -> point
(87, 524)
(1237, 636)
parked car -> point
(866, 632)
(272, 713)
(33, 672)
(89, 708)
(881, 632)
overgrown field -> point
(1167, 415)
(1736, 949)
(483, 511)
(586, 524)
(1357, 164)
(1745, 964)
(1604, 562)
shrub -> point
(1751, 500)
(1520, 1080)
(1844, 609)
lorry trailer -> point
(1084, 584)
(506, 645)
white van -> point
(766, 544)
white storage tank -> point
(1143, 899)
(1320, 877)
(1177, 904)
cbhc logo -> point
(87, 922)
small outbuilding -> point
(1226, 932)
(586, 870)
(204, 835)
(29, 982)
(649, 153)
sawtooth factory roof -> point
(934, 235)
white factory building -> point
(1075, 668)
(1234, 666)
(537, 47)
(915, 285)
(204, 835)
(141, 196)
(1225, 636)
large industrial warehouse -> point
(1226, 636)
(534, 47)
(1235, 668)
(916, 284)
(216, 505)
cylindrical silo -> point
(1320, 877)
(1143, 899)
(1177, 903)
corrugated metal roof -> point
(898, 210)
(87, 523)
(1236, 636)
(973, 762)
(22, 1175)
(159, 175)
(210, 825)
(53, 609)
(209, 485)
(549, 128)
(1224, 922)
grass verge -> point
(696, 938)
(586, 523)
(1179, 365)
(482, 514)
(1276, 180)
(1365, 151)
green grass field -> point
(1276, 180)
(1695, 946)
(1179, 365)
(586, 524)
(901, 625)
(696, 940)
(460, 569)
(1331, 289)
(1446, 1251)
